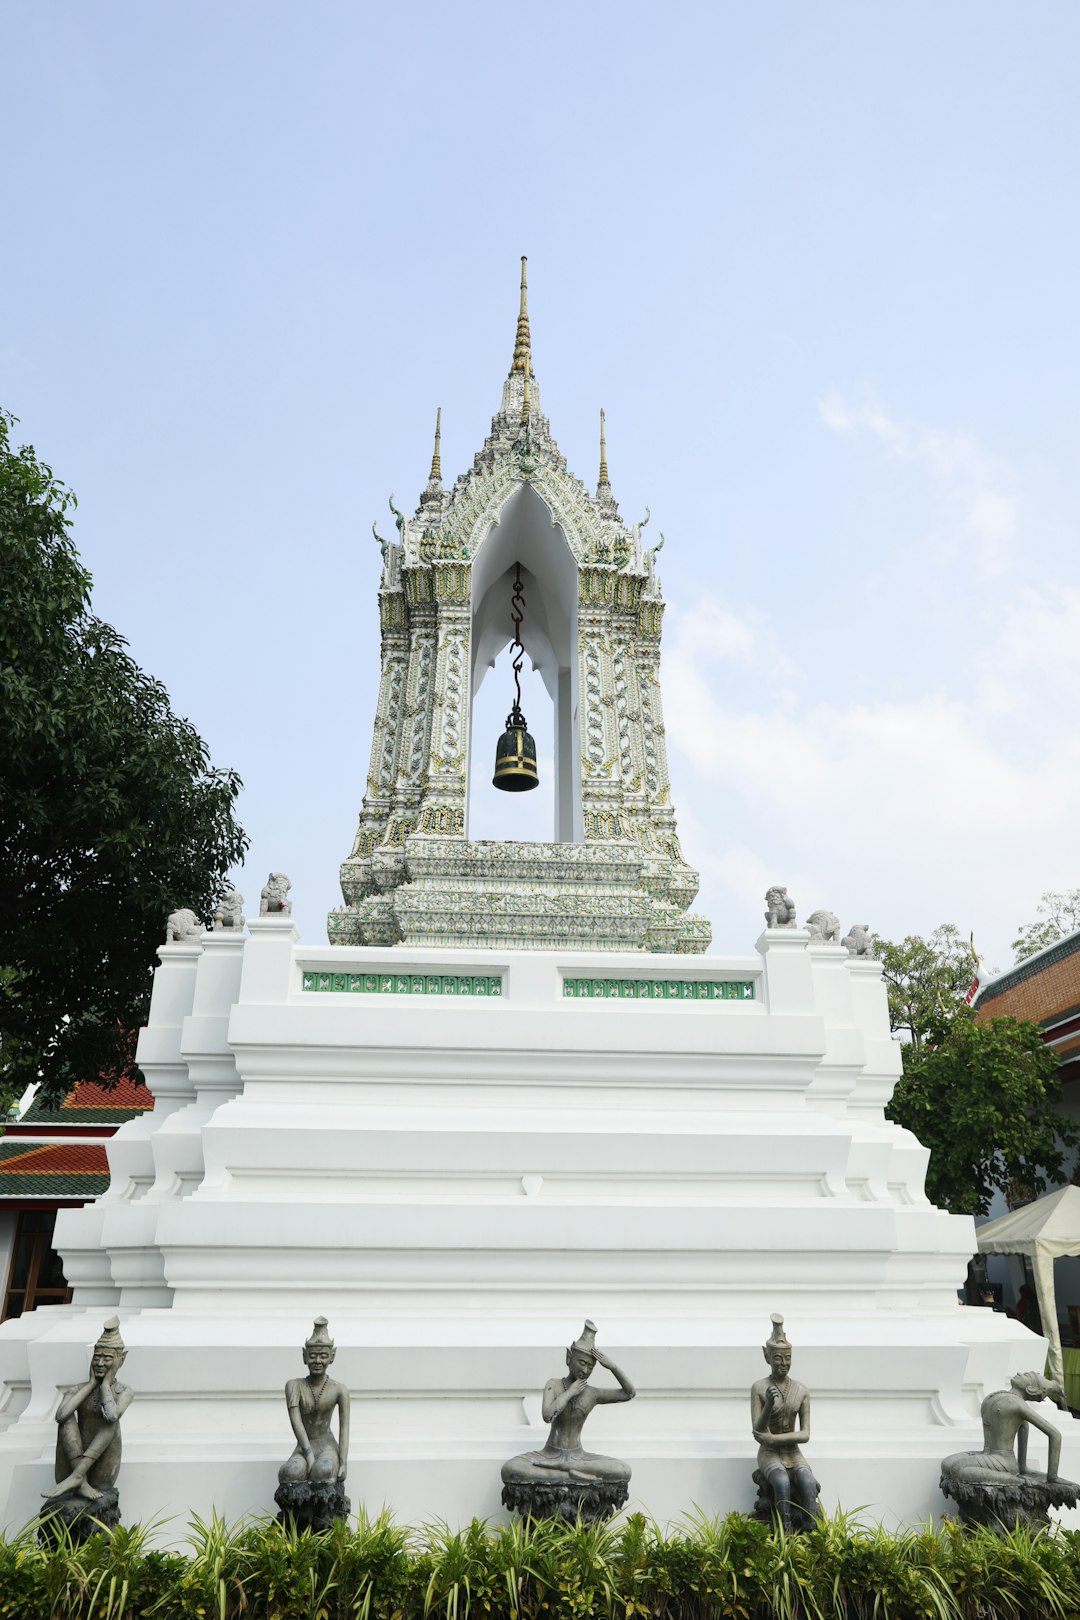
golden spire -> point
(523, 343)
(603, 479)
(435, 475)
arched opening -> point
(525, 532)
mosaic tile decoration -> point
(405, 984)
(660, 989)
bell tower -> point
(613, 877)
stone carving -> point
(994, 1487)
(183, 928)
(230, 911)
(273, 901)
(779, 908)
(824, 925)
(311, 1484)
(858, 942)
(787, 1490)
(562, 1480)
(84, 1498)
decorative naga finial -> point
(399, 517)
(645, 520)
(603, 482)
(523, 343)
(384, 545)
(435, 475)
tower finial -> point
(523, 343)
(435, 475)
(603, 479)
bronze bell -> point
(515, 756)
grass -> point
(704, 1569)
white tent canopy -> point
(1045, 1230)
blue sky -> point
(817, 261)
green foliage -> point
(1060, 916)
(708, 1569)
(983, 1101)
(110, 813)
(926, 981)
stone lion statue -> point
(182, 928)
(274, 902)
(230, 911)
(779, 909)
(824, 925)
(858, 942)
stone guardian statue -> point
(994, 1486)
(85, 1497)
(780, 1419)
(311, 1483)
(562, 1480)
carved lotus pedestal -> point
(79, 1517)
(1022, 1499)
(590, 1500)
(311, 1507)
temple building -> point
(516, 1092)
(613, 877)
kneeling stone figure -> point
(994, 1486)
(563, 1480)
(311, 1483)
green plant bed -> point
(724, 1569)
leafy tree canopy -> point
(111, 815)
(983, 1100)
(926, 980)
(1060, 916)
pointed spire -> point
(525, 402)
(604, 498)
(523, 343)
(435, 475)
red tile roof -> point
(52, 1170)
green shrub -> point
(704, 1569)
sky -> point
(818, 262)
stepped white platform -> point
(456, 1156)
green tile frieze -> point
(404, 984)
(660, 989)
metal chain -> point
(517, 614)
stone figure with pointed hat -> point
(85, 1497)
(311, 1483)
(995, 1487)
(563, 1480)
(780, 1418)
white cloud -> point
(974, 485)
(909, 810)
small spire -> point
(435, 475)
(603, 480)
(526, 405)
(523, 343)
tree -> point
(110, 813)
(1061, 916)
(983, 1101)
(926, 980)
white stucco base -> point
(456, 1181)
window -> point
(36, 1276)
